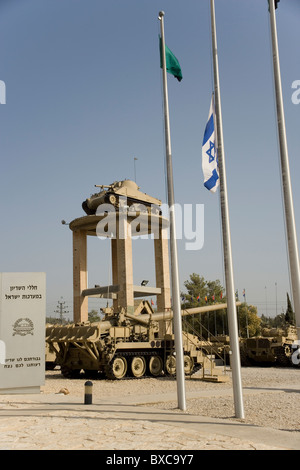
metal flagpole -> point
(173, 243)
(285, 173)
(230, 292)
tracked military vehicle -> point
(50, 353)
(126, 190)
(274, 346)
(124, 344)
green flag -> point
(172, 64)
(276, 1)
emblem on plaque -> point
(23, 327)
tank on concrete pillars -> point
(131, 339)
(126, 190)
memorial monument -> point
(22, 332)
(120, 211)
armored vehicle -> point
(50, 353)
(123, 344)
(221, 347)
(274, 346)
(126, 190)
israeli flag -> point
(209, 153)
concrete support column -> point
(124, 263)
(80, 303)
(114, 264)
(162, 271)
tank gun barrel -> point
(206, 308)
(139, 318)
(146, 318)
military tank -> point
(221, 347)
(274, 346)
(126, 191)
(124, 344)
(50, 352)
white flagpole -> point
(230, 292)
(173, 243)
(285, 174)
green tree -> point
(201, 292)
(93, 316)
(196, 291)
(249, 321)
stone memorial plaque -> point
(22, 331)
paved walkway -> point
(60, 421)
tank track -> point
(131, 354)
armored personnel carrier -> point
(126, 190)
(123, 344)
(274, 346)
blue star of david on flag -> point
(209, 154)
(211, 157)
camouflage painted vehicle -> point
(274, 346)
(113, 194)
(124, 344)
(50, 353)
(221, 347)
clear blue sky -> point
(84, 97)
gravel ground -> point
(270, 395)
(270, 399)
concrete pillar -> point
(124, 264)
(80, 303)
(114, 264)
(162, 271)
